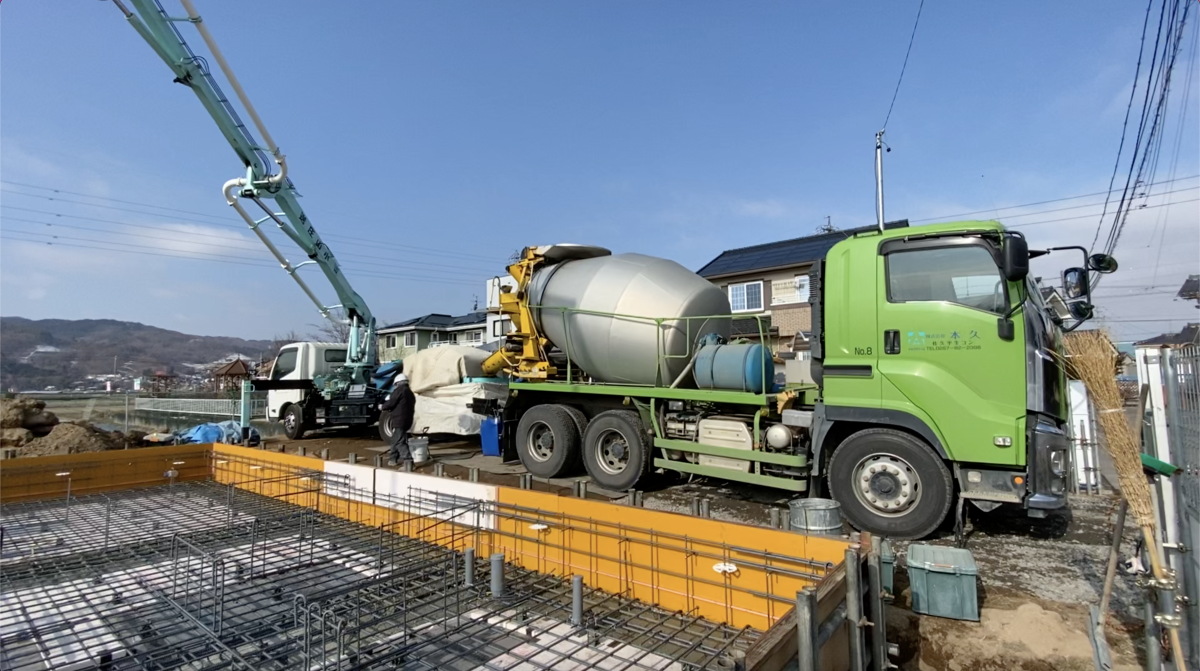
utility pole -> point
(114, 364)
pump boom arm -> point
(259, 183)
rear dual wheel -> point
(548, 438)
(615, 450)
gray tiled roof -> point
(1191, 288)
(784, 253)
(1190, 335)
(440, 321)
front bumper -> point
(1046, 461)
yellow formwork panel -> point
(30, 478)
(724, 571)
(274, 474)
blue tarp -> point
(224, 432)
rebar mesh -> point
(209, 576)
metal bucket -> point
(821, 516)
(418, 447)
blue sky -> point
(432, 139)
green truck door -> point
(940, 355)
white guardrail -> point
(200, 406)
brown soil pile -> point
(26, 413)
(73, 439)
(15, 437)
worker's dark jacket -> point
(400, 405)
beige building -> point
(770, 284)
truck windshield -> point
(966, 275)
(284, 364)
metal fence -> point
(200, 406)
(1181, 373)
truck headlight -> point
(1058, 462)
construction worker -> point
(399, 406)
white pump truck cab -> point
(302, 361)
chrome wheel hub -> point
(612, 452)
(887, 484)
(540, 443)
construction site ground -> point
(1037, 577)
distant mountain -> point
(59, 352)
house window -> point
(501, 327)
(390, 342)
(473, 337)
(746, 297)
(410, 339)
(794, 290)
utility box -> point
(943, 582)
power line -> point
(951, 217)
(1089, 216)
(1125, 125)
(241, 226)
(904, 67)
(251, 243)
(203, 256)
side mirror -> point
(1102, 263)
(1015, 258)
(1081, 310)
(1075, 283)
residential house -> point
(770, 282)
(398, 341)
(1188, 335)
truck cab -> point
(300, 361)
(939, 365)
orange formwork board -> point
(30, 478)
(287, 477)
(724, 571)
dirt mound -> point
(26, 413)
(73, 439)
(15, 437)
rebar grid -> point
(201, 575)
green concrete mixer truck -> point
(936, 373)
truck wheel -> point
(581, 422)
(293, 422)
(890, 484)
(547, 441)
(614, 450)
(385, 427)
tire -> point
(615, 453)
(548, 441)
(581, 422)
(293, 422)
(877, 469)
(385, 427)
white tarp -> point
(442, 367)
(448, 409)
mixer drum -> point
(622, 345)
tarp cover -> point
(229, 432)
(448, 409)
(442, 367)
